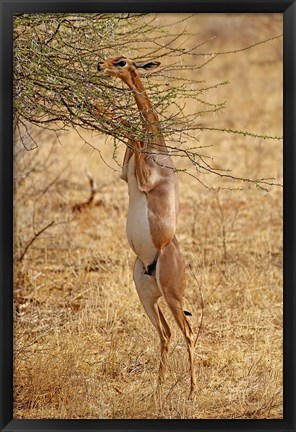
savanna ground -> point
(84, 347)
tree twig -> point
(37, 234)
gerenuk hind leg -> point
(149, 293)
(170, 277)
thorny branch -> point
(56, 85)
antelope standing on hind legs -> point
(152, 215)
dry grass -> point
(84, 347)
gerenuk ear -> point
(147, 65)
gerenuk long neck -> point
(149, 117)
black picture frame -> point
(8, 9)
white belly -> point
(137, 227)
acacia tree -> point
(56, 85)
